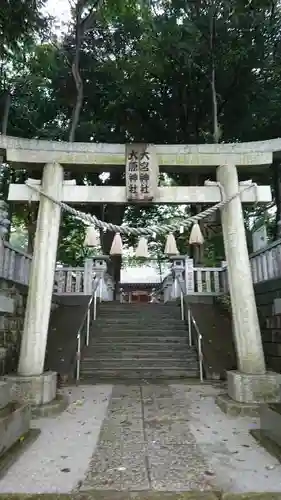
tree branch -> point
(81, 27)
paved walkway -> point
(143, 438)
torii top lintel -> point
(32, 153)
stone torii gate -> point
(251, 383)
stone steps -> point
(107, 306)
(138, 341)
(117, 332)
(139, 349)
(144, 373)
(134, 362)
(139, 353)
(142, 314)
(140, 323)
(165, 340)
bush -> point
(225, 302)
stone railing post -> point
(99, 270)
(167, 288)
(178, 270)
(189, 276)
(88, 277)
(224, 277)
(108, 288)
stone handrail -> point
(207, 280)
(15, 266)
(265, 264)
(69, 280)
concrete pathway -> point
(144, 438)
(59, 458)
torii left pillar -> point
(32, 383)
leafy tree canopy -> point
(165, 71)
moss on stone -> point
(116, 495)
(144, 495)
(46, 496)
(225, 302)
(252, 496)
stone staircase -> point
(138, 341)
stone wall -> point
(266, 292)
(270, 324)
(11, 324)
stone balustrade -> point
(266, 263)
(196, 281)
(15, 268)
(69, 281)
(14, 264)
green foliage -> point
(146, 68)
(19, 19)
(153, 215)
(72, 251)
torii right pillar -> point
(251, 383)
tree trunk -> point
(6, 110)
(31, 227)
(79, 87)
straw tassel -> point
(196, 236)
(142, 249)
(92, 237)
(117, 245)
(171, 245)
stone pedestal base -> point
(35, 390)
(234, 409)
(254, 389)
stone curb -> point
(118, 495)
(123, 495)
(273, 448)
(11, 455)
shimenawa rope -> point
(143, 231)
